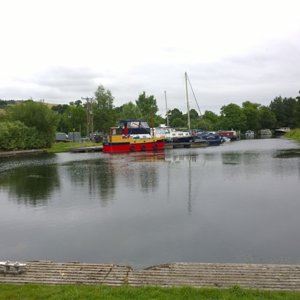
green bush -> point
(294, 134)
(38, 116)
(16, 136)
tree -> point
(147, 107)
(176, 117)
(194, 114)
(129, 111)
(285, 110)
(297, 112)
(178, 123)
(104, 114)
(60, 109)
(251, 112)
(36, 115)
(194, 118)
(232, 117)
(104, 98)
(267, 118)
(75, 117)
(209, 121)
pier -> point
(186, 145)
(87, 149)
(255, 276)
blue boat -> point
(213, 139)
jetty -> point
(202, 144)
(254, 276)
(87, 149)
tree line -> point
(29, 124)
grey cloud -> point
(67, 79)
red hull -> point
(230, 134)
(138, 147)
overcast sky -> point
(232, 50)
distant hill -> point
(5, 103)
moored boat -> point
(132, 136)
(249, 134)
(212, 138)
(231, 134)
(199, 143)
(265, 133)
(281, 131)
(172, 135)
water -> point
(238, 202)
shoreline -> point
(6, 154)
(280, 277)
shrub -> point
(17, 136)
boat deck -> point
(256, 276)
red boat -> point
(228, 133)
(132, 136)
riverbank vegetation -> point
(29, 124)
(61, 292)
(65, 147)
(294, 134)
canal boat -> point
(228, 134)
(171, 135)
(249, 134)
(281, 131)
(132, 136)
(265, 133)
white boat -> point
(282, 131)
(265, 133)
(249, 134)
(172, 135)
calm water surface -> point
(238, 202)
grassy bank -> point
(65, 147)
(61, 292)
(294, 134)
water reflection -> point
(288, 153)
(148, 178)
(31, 185)
(231, 158)
(95, 175)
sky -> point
(232, 50)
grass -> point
(74, 292)
(65, 147)
(294, 134)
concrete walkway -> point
(257, 276)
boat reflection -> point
(95, 176)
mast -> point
(187, 102)
(167, 108)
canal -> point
(238, 202)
